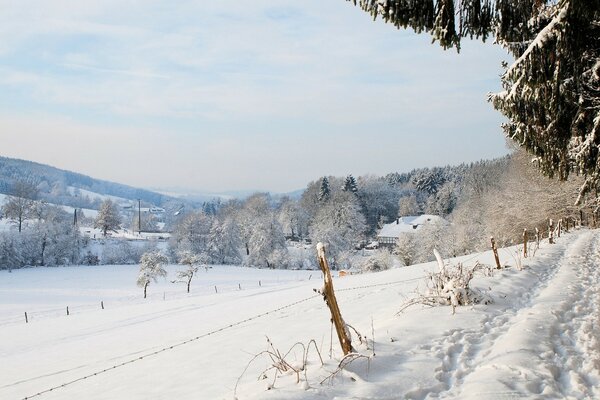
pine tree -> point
(551, 92)
(324, 192)
(350, 185)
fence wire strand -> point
(207, 334)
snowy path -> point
(539, 339)
(539, 343)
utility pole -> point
(140, 217)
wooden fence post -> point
(330, 300)
(26, 319)
(102, 304)
(495, 250)
(580, 218)
(550, 231)
(559, 227)
(67, 310)
(525, 243)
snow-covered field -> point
(540, 338)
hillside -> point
(70, 188)
(536, 340)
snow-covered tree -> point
(21, 204)
(340, 224)
(408, 206)
(551, 91)
(293, 218)
(192, 233)
(192, 263)
(108, 217)
(350, 185)
(378, 200)
(267, 244)
(149, 223)
(151, 268)
(325, 191)
(225, 242)
(406, 248)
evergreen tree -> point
(324, 192)
(551, 92)
(350, 185)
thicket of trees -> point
(498, 197)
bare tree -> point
(21, 204)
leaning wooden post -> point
(551, 231)
(525, 243)
(330, 300)
(495, 250)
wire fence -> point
(210, 333)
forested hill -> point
(57, 185)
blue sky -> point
(236, 95)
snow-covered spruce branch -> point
(450, 286)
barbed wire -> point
(213, 332)
(164, 349)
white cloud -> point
(202, 76)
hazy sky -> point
(227, 95)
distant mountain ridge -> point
(54, 183)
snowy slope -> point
(538, 340)
(93, 195)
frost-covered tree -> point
(192, 263)
(192, 233)
(551, 91)
(151, 268)
(293, 218)
(267, 244)
(225, 242)
(408, 206)
(149, 223)
(406, 248)
(340, 224)
(108, 217)
(378, 201)
(21, 204)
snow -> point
(409, 224)
(539, 339)
(93, 195)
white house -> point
(389, 233)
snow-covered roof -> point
(409, 224)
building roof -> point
(409, 224)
